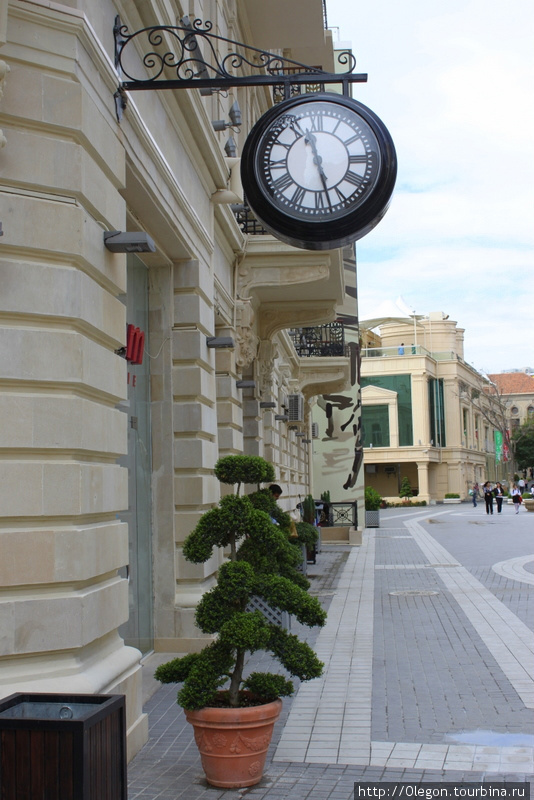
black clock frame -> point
(319, 234)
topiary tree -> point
(406, 488)
(261, 564)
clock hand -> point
(311, 139)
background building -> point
(425, 413)
(516, 389)
(106, 463)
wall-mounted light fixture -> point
(235, 119)
(245, 384)
(281, 417)
(129, 242)
(306, 441)
(230, 148)
(220, 342)
(300, 434)
(267, 405)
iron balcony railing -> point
(247, 221)
(321, 340)
(343, 514)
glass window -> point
(401, 384)
(437, 412)
(375, 426)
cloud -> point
(453, 85)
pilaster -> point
(194, 426)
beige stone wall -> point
(69, 170)
(61, 545)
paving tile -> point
(403, 675)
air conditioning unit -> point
(295, 407)
(315, 430)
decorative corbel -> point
(4, 69)
(267, 355)
(247, 341)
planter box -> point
(452, 500)
(63, 747)
(372, 519)
(529, 504)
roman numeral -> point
(352, 139)
(298, 195)
(282, 183)
(280, 164)
(319, 200)
(317, 123)
(352, 177)
(297, 130)
(360, 159)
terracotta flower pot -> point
(233, 742)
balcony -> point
(301, 31)
(322, 340)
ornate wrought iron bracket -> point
(191, 54)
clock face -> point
(318, 161)
(318, 170)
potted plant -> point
(452, 497)
(233, 714)
(528, 501)
(373, 501)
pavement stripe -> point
(514, 568)
(330, 718)
(508, 639)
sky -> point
(454, 84)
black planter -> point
(63, 747)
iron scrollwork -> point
(191, 54)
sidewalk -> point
(429, 667)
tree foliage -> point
(262, 563)
(405, 488)
(523, 440)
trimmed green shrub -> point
(373, 500)
(406, 488)
(262, 563)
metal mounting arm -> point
(179, 51)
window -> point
(514, 410)
(437, 411)
(403, 386)
(375, 426)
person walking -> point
(488, 497)
(516, 497)
(499, 494)
(475, 493)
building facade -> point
(425, 414)
(516, 390)
(106, 461)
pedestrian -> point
(488, 497)
(275, 490)
(521, 485)
(516, 497)
(499, 494)
(474, 493)
(401, 349)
